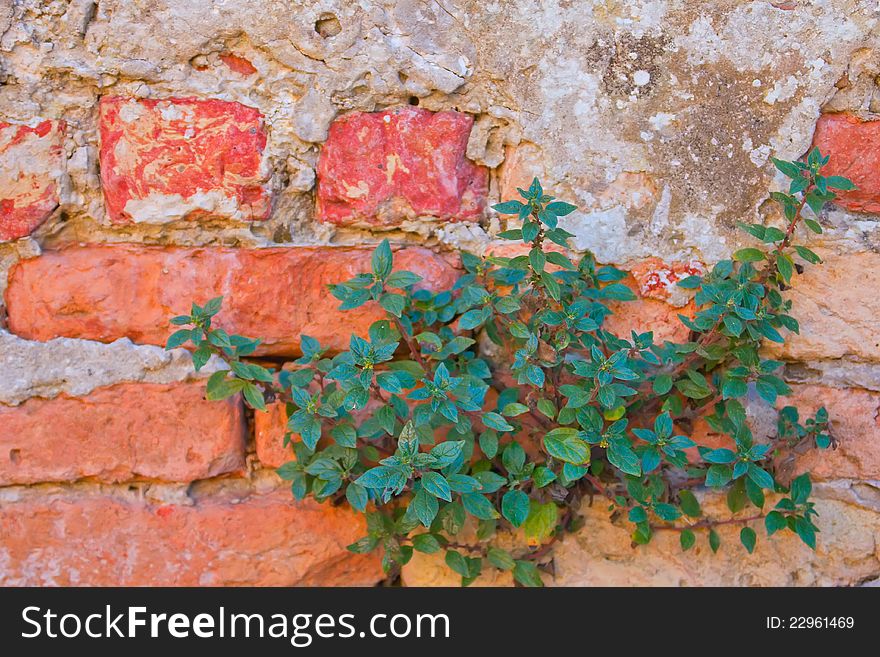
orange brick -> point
(116, 433)
(108, 292)
(77, 538)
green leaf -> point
(801, 488)
(761, 477)
(489, 443)
(687, 539)
(543, 476)
(357, 496)
(806, 532)
(426, 543)
(718, 475)
(514, 409)
(471, 319)
(364, 545)
(551, 285)
(637, 514)
(425, 506)
(624, 458)
(479, 506)
(382, 477)
(436, 484)
(564, 444)
(560, 208)
(689, 504)
(508, 207)
(515, 507)
(499, 558)
(808, 255)
(840, 182)
(749, 255)
(402, 279)
(446, 452)
(393, 303)
(457, 562)
(714, 540)
(747, 537)
(254, 396)
(495, 421)
(178, 338)
(541, 521)
(526, 573)
(788, 168)
(382, 260)
(774, 522)
(345, 435)
(662, 384)
(720, 456)
(219, 387)
(537, 259)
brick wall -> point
(145, 164)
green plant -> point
(567, 410)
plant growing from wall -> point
(418, 429)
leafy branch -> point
(419, 429)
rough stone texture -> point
(81, 537)
(838, 309)
(379, 168)
(855, 425)
(656, 117)
(601, 554)
(76, 367)
(178, 158)
(853, 145)
(30, 167)
(108, 292)
(121, 432)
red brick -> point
(154, 431)
(108, 292)
(380, 168)
(853, 415)
(238, 64)
(178, 158)
(84, 539)
(854, 147)
(30, 166)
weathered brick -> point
(163, 160)
(116, 433)
(854, 148)
(87, 539)
(648, 314)
(107, 292)
(853, 415)
(383, 167)
(30, 167)
(269, 429)
(838, 309)
(657, 279)
(522, 164)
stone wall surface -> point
(156, 152)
